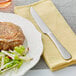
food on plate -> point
(11, 35)
(12, 51)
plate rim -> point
(40, 39)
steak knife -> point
(64, 53)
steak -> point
(11, 35)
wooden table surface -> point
(66, 7)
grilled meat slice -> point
(11, 35)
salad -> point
(13, 59)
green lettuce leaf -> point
(20, 49)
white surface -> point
(34, 41)
(69, 71)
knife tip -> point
(31, 8)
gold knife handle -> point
(65, 54)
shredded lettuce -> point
(20, 49)
(7, 60)
(13, 59)
(1, 54)
(14, 62)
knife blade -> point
(64, 53)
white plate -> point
(34, 41)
